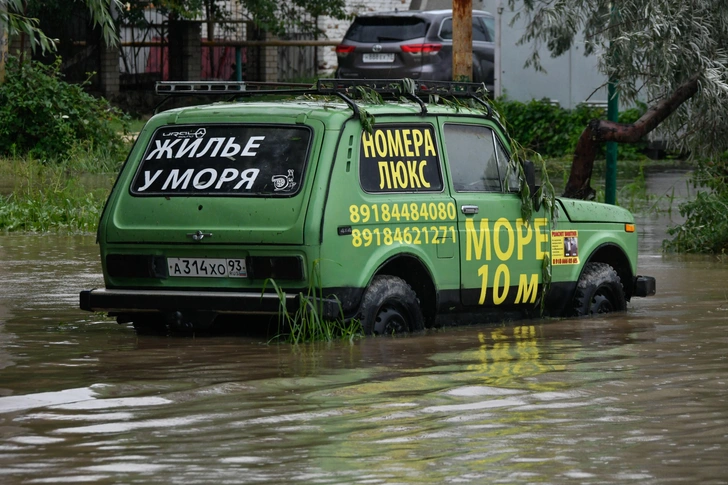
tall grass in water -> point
(307, 324)
(46, 197)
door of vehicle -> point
(501, 255)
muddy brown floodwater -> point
(639, 397)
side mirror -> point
(529, 170)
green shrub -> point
(543, 126)
(705, 229)
(553, 131)
(45, 117)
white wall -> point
(569, 79)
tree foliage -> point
(651, 48)
(14, 17)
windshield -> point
(386, 29)
(223, 160)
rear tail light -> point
(136, 266)
(343, 50)
(420, 49)
(275, 267)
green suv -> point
(398, 202)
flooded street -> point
(640, 397)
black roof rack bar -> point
(452, 89)
(350, 102)
(414, 97)
(188, 88)
(199, 87)
(400, 87)
(485, 104)
(394, 87)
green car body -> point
(216, 201)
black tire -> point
(390, 306)
(599, 290)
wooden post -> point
(462, 40)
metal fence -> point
(144, 54)
(145, 51)
(144, 47)
(296, 63)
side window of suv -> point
(489, 23)
(480, 32)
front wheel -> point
(599, 290)
(390, 306)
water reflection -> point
(632, 398)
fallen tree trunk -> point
(600, 131)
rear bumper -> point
(169, 301)
(111, 300)
(644, 286)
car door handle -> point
(469, 209)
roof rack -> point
(342, 88)
(404, 86)
(189, 88)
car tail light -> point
(343, 50)
(275, 267)
(136, 266)
(419, 49)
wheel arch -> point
(416, 274)
(614, 256)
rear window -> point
(386, 29)
(224, 160)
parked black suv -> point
(412, 44)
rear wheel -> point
(599, 290)
(390, 306)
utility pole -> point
(610, 186)
(462, 40)
(610, 183)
